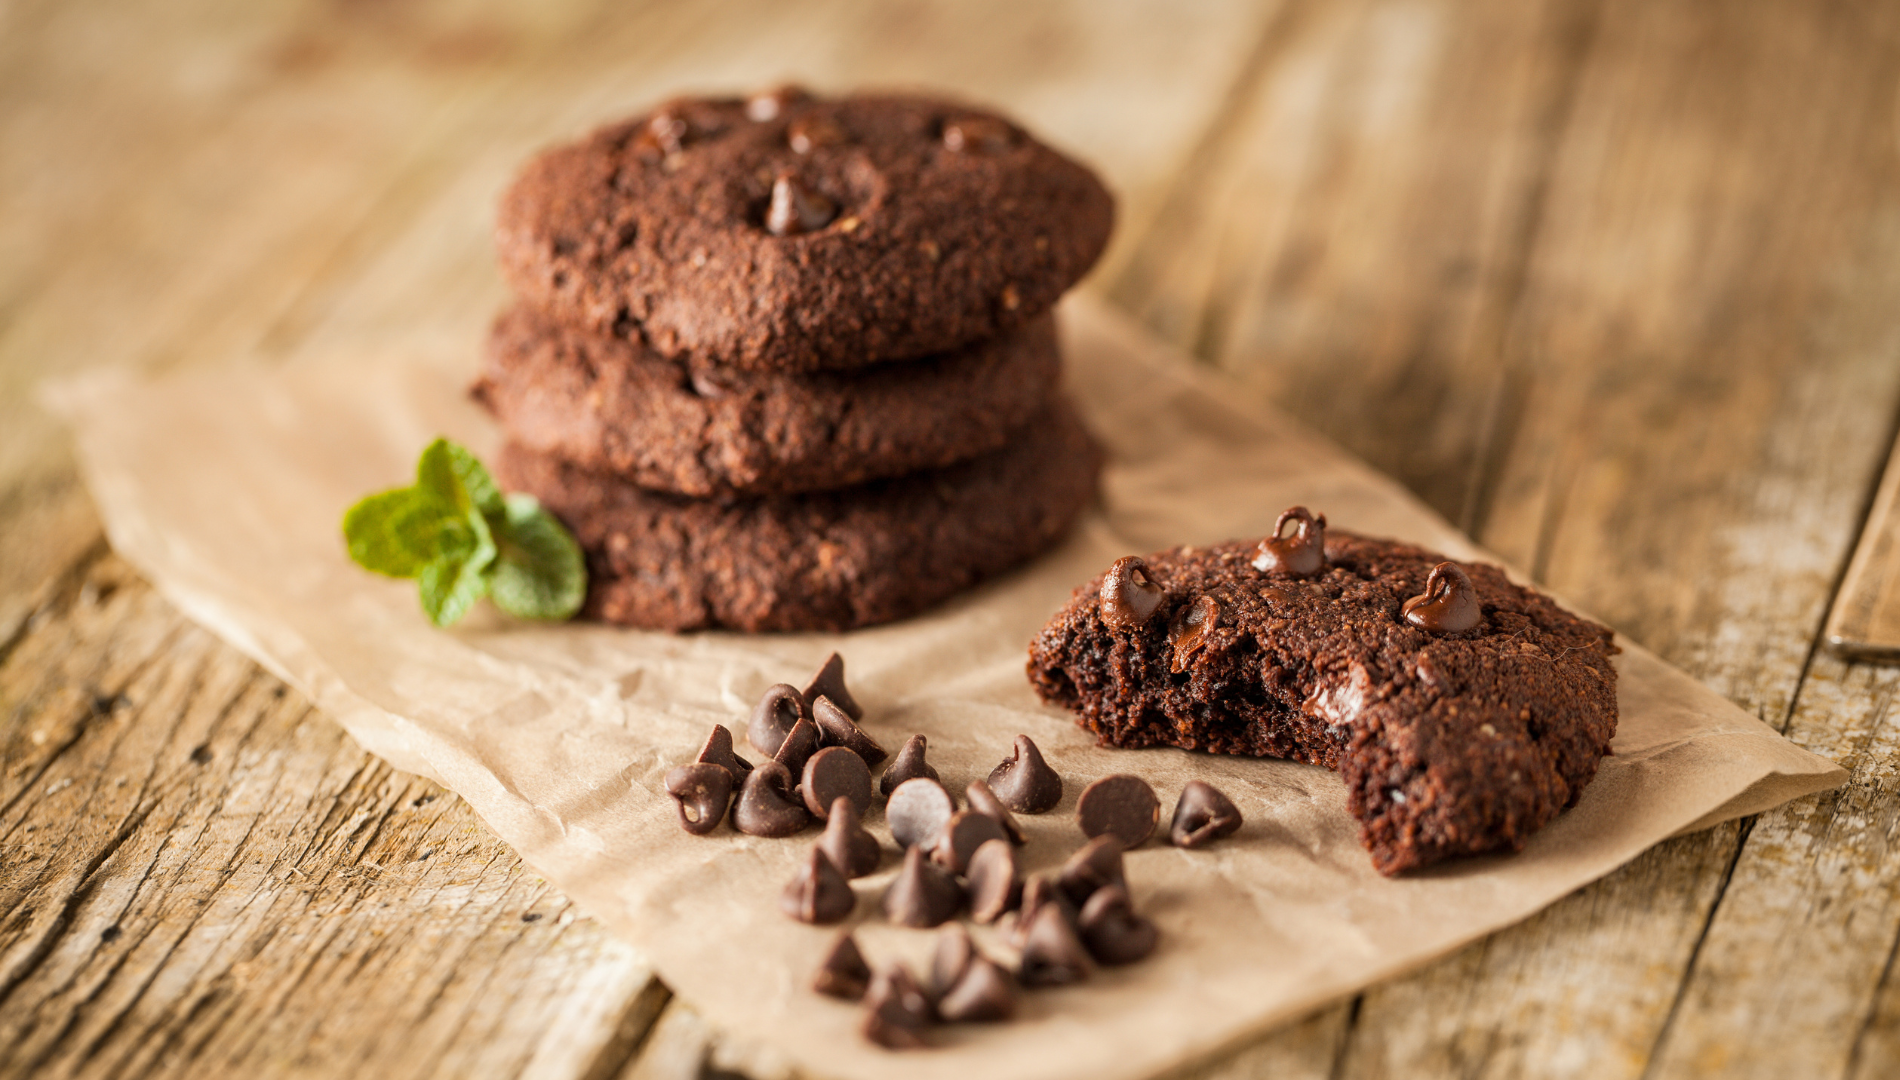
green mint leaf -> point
(451, 474)
(393, 532)
(462, 540)
(449, 587)
(538, 571)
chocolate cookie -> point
(1461, 721)
(604, 403)
(790, 232)
(820, 561)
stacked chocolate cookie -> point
(787, 363)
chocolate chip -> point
(1449, 603)
(701, 791)
(909, 764)
(851, 849)
(808, 133)
(1120, 804)
(768, 104)
(983, 800)
(1129, 596)
(669, 130)
(799, 745)
(923, 894)
(663, 135)
(977, 134)
(1041, 891)
(1112, 930)
(951, 959)
(994, 887)
(819, 894)
(985, 992)
(843, 972)
(966, 831)
(1024, 781)
(1301, 554)
(1202, 815)
(768, 805)
(708, 384)
(897, 1012)
(1190, 628)
(1052, 953)
(774, 716)
(835, 773)
(718, 751)
(797, 209)
(1094, 866)
(836, 728)
(917, 812)
(829, 683)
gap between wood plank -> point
(1578, 38)
(1137, 278)
(1816, 642)
(1864, 520)
(1702, 935)
(630, 1034)
(50, 592)
(1873, 1009)
(1338, 1069)
(1577, 31)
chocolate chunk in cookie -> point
(1462, 722)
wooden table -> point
(1616, 286)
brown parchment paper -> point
(226, 490)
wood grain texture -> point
(1610, 284)
(1797, 962)
(1657, 391)
(203, 876)
(1353, 236)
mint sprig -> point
(461, 539)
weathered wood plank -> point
(1799, 957)
(1659, 390)
(1354, 237)
(1732, 265)
(203, 875)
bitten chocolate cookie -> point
(820, 561)
(606, 404)
(1463, 711)
(789, 232)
